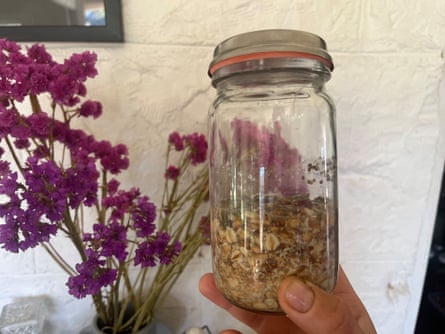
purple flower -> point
(64, 90)
(8, 119)
(90, 108)
(59, 170)
(159, 249)
(22, 228)
(9, 46)
(40, 124)
(113, 158)
(41, 152)
(120, 203)
(176, 140)
(38, 53)
(60, 131)
(74, 139)
(172, 173)
(33, 231)
(269, 151)
(19, 82)
(112, 239)
(9, 239)
(38, 78)
(93, 276)
(22, 143)
(81, 65)
(143, 216)
(8, 179)
(4, 167)
(140, 209)
(113, 186)
(45, 191)
(20, 131)
(67, 84)
(198, 147)
(170, 253)
(145, 255)
(81, 183)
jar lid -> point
(267, 44)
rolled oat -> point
(274, 237)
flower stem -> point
(58, 258)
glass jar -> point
(273, 175)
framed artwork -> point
(61, 20)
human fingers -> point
(316, 312)
(261, 323)
(230, 331)
(208, 288)
(346, 292)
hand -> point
(308, 309)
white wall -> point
(391, 136)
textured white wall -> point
(391, 136)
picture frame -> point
(112, 31)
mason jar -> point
(273, 175)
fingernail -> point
(299, 296)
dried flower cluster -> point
(258, 148)
(52, 175)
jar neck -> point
(277, 82)
(275, 71)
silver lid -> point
(270, 44)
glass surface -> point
(61, 20)
(52, 12)
(273, 189)
(25, 317)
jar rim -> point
(267, 44)
(268, 55)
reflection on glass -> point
(52, 13)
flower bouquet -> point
(56, 179)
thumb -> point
(314, 310)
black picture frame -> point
(112, 32)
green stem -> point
(14, 155)
(179, 265)
(74, 234)
(35, 105)
(58, 259)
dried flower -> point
(172, 173)
(198, 148)
(272, 154)
(65, 172)
(176, 140)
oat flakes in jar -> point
(273, 175)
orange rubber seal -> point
(267, 55)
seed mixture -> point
(273, 237)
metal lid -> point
(266, 44)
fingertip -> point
(305, 303)
(296, 294)
(208, 289)
(206, 283)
